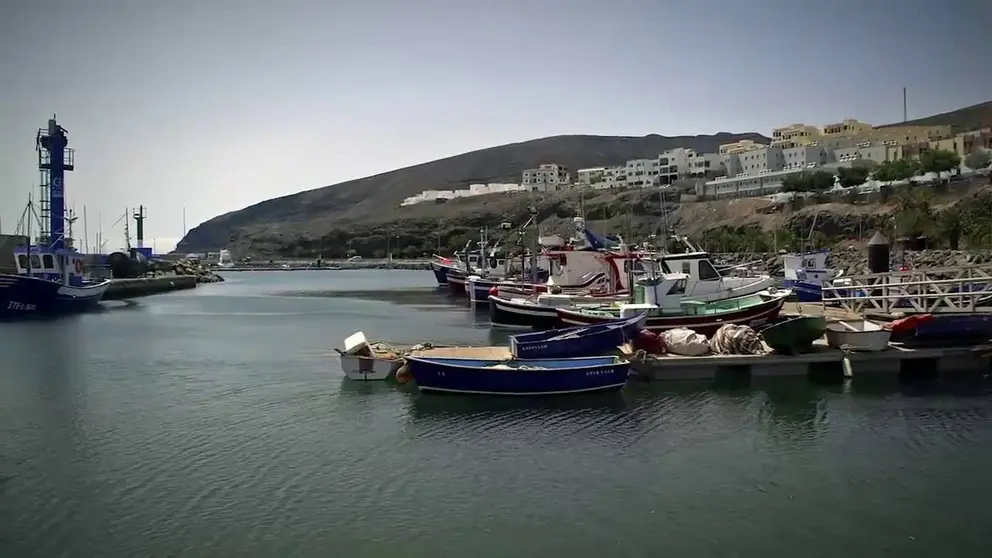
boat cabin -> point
(665, 294)
(65, 266)
(808, 267)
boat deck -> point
(822, 360)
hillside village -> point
(748, 168)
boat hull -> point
(601, 339)
(511, 314)
(364, 369)
(754, 316)
(25, 297)
(456, 282)
(860, 338)
(440, 273)
(795, 335)
(540, 377)
(804, 291)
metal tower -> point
(54, 159)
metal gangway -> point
(953, 290)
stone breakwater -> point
(335, 266)
(855, 262)
(195, 269)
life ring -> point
(79, 267)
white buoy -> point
(848, 370)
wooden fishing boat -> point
(861, 335)
(672, 311)
(795, 335)
(495, 376)
(577, 341)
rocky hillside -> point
(378, 197)
(363, 216)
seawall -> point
(144, 286)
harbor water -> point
(216, 422)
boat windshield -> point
(677, 287)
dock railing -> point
(964, 289)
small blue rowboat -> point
(578, 341)
(518, 377)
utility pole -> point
(905, 112)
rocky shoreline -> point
(196, 269)
(855, 261)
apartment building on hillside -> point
(740, 147)
(546, 178)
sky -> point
(214, 105)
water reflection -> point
(433, 406)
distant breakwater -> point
(331, 265)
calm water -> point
(217, 423)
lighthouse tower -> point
(54, 159)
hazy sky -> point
(218, 104)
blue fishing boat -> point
(49, 278)
(805, 274)
(518, 376)
(579, 341)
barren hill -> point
(381, 194)
(356, 215)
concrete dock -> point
(822, 361)
(144, 286)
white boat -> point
(858, 336)
(365, 360)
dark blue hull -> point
(952, 329)
(520, 315)
(805, 292)
(23, 297)
(440, 273)
(601, 339)
(523, 377)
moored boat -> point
(805, 273)
(50, 278)
(854, 335)
(794, 335)
(487, 376)
(672, 311)
(365, 360)
(577, 341)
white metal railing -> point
(964, 289)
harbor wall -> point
(144, 286)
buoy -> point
(403, 375)
(848, 370)
(493, 291)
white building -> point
(547, 177)
(592, 176)
(473, 190)
(640, 173)
(613, 177)
(706, 165)
(758, 172)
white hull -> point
(858, 336)
(369, 369)
(727, 288)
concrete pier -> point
(821, 361)
(144, 286)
